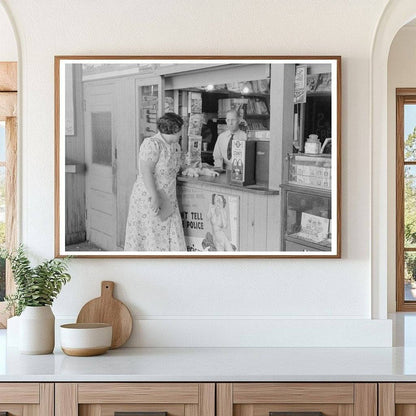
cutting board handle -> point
(107, 289)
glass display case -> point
(306, 218)
(310, 170)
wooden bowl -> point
(84, 340)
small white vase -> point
(37, 330)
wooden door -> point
(106, 399)
(297, 399)
(101, 165)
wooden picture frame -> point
(278, 196)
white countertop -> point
(213, 364)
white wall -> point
(179, 302)
(401, 74)
(8, 47)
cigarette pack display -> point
(310, 170)
(315, 227)
(243, 162)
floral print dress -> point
(146, 231)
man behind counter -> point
(223, 146)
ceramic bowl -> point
(83, 340)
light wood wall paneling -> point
(365, 403)
(138, 393)
(207, 399)
(252, 393)
(8, 76)
(386, 399)
(66, 399)
(224, 399)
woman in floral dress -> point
(154, 222)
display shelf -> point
(302, 206)
(307, 244)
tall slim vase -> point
(37, 330)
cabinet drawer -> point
(264, 399)
(106, 399)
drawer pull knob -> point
(296, 414)
(139, 414)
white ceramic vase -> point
(37, 330)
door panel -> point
(101, 165)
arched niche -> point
(9, 57)
(8, 44)
(396, 14)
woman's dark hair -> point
(224, 201)
(170, 123)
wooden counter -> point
(224, 181)
(258, 210)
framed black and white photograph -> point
(198, 156)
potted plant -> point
(36, 289)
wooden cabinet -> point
(105, 399)
(207, 399)
(397, 399)
(26, 399)
(296, 201)
(262, 399)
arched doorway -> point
(396, 14)
(8, 148)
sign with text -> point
(210, 220)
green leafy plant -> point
(35, 286)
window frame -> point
(8, 111)
(403, 96)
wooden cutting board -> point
(107, 309)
